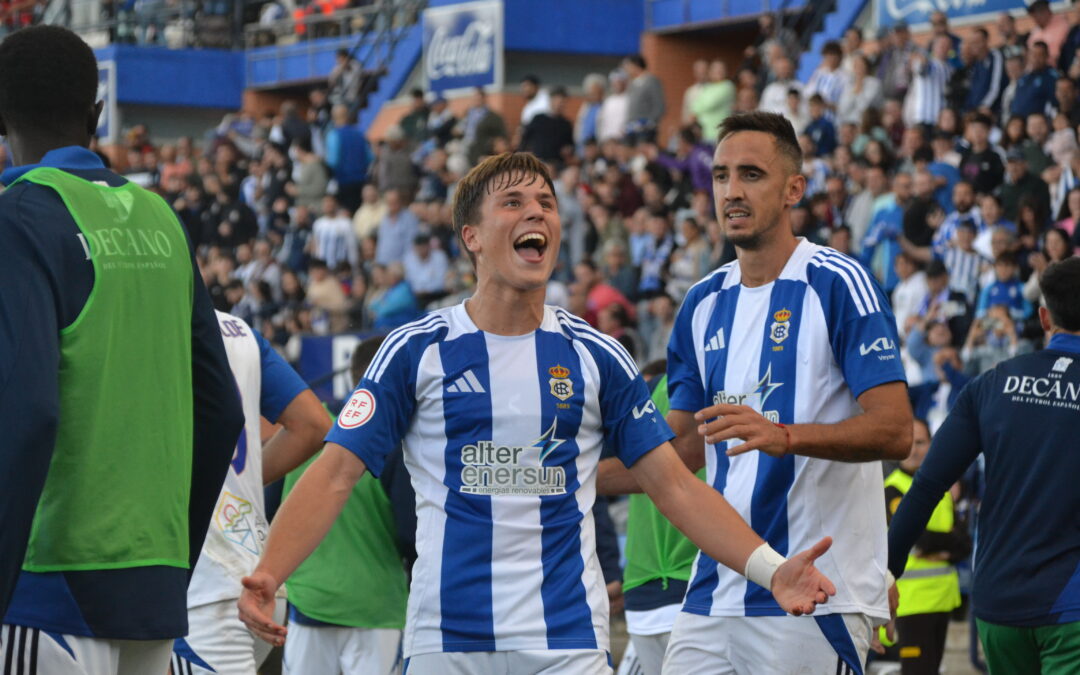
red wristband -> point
(788, 433)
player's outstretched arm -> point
(300, 525)
(304, 424)
(703, 515)
(881, 431)
(613, 478)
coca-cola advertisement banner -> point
(463, 45)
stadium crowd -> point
(952, 173)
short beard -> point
(748, 242)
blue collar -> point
(1065, 342)
(69, 158)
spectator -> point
(324, 294)
(614, 321)
(598, 293)
(344, 80)
(441, 123)
(930, 76)
(966, 210)
(701, 78)
(483, 127)
(1050, 29)
(617, 271)
(1056, 247)
(393, 303)
(549, 135)
(1021, 182)
(981, 165)
(333, 240)
(690, 261)
(769, 33)
(536, 99)
(943, 304)
(828, 80)
(861, 207)
(425, 270)
(988, 75)
(645, 104)
(909, 292)
(1012, 42)
(965, 265)
(894, 65)
(1035, 88)
(614, 112)
(311, 176)
(1065, 101)
(820, 129)
(372, 209)
(414, 124)
(881, 244)
(1014, 70)
(774, 97)
(715, 101)
(349, 157)
(924, 341)
(394, 169)
(397, 230)
(586, 127)
(992, 339)
(1006, 290)
(939, 28)
(993, 220)
(863, 91)
(1034, 147)
(662, 314)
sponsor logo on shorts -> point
(358, 411)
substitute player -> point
(503, 405)
(347, 599)
(217, 642)
(785, 380)
(118, 412)
(1022, 416)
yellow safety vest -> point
(927, 586)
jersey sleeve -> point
(376, 416)
(954, 447)
(862, 328)
(280, 383)
(632, 424)
(685, 389)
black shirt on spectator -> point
(984, 170)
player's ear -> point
(796, 188)
(471, 238)
(1044, 319)
(92, 118)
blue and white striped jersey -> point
(799, 350)
(502, 437)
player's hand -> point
(743, 422)
(798, 586)
(256, 606)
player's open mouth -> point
(531, 246)
(736, 216)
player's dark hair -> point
(1058, 285)
(773, 124)
(48, 80)
(362, 357)
(637, 59)
(494, 174)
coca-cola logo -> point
(470, 53)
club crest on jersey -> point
(562, 387)
(358, 411)
(781, 326)
(236, 519)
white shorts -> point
(218, 642)
(340, 650)
(768, 645)
(534, 662)
(36, 651)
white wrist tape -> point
(762, 564)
